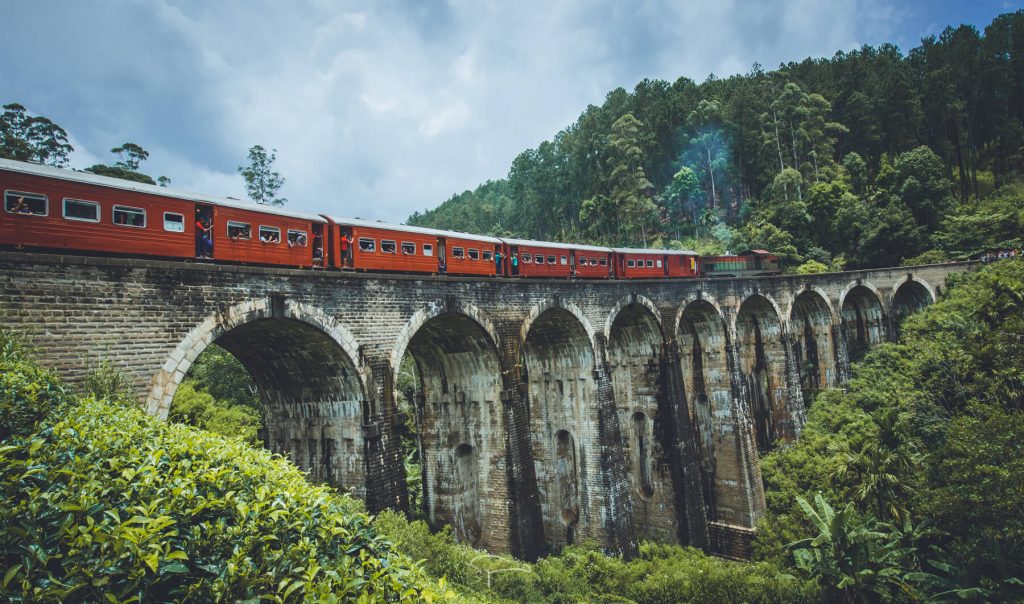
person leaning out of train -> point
(204, 244)
(346, 248)
(497, 262)
(515, 263)
(19, 206)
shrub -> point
(199, 409)
(107, 382)
(111, 504)
(28, 394)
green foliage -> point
(199, 409)
(221, 374)
(107, 382)
(811, 267)
(930, 427)
(119, 172)
(26, 137)
(583, 574)
(261, 181)
(28, 394)
(109, 504)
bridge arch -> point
(635, 344)
(909, 295)
(762, 360)
(312, 386)
(458, 414)
(863, 318)
(811, 318)
(703, 338)
(559, 366)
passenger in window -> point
(20, 207)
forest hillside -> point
(864, 159)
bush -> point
(107, 382)
(28, 394)
(110, 503)
(199, 409)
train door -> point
(318, 245)
(572, 263)
(514, 266)
(346, 247)
(442, 256)
(664, 263)
(204, 230)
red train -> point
(54, 208)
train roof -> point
(404, 228)
(631, 250)
(560, 246)
(140, 187)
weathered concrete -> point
(549, 411)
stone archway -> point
(460, 426)
(814, 351)
(863, 321)
(763, 366)
(634, 354)
(559, 367)
(909, 296)
(312, 390)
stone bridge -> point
(548, 411)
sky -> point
(378, 109)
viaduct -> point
(548, 411)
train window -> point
(133, 217)
(565, 260)
(539, 259)
(428, 249)
(367, 245)
(604, 262)
(551, 260)
(239, 230)
(458, 252)
(658, 263)
(527, 258)
(474, 254)
(388, 247)
(630, 263)
(650, 263)
(269, 234)
(86, 211)
(296, 238)
(174, 223)
(408, 247)
(488, 256)
(31, 204)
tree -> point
(32, 138)
(261, 182)
(131, 155)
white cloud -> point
(381, 109)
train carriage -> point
(559, 260)
(750, 263)
(54, 208)
(377, 246)
(653, 264)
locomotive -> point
(50, 208)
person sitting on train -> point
(267, 237)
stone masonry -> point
(549, 411)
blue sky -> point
(378, 109)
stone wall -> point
(549, 411)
